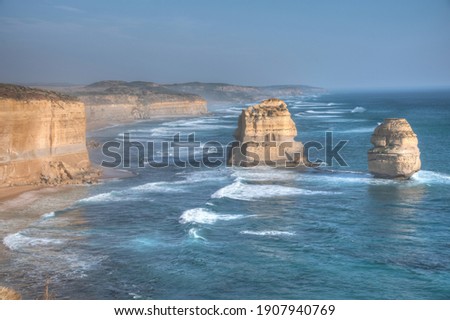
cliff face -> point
(119, 101)
(395, 153)
(266, 132)
(42, 138)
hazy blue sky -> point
(328, 43)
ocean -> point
(250, 233)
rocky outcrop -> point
(395, 153)
(266, 135)
(42, 138)
(9, 294)
(120, 101)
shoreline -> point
(18, 196)
(98, 126)
(10, 193)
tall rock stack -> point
(266, 135)
(395, 154)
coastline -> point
(102, 125)
(14, 197)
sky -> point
(325, 43)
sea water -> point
(254, 233)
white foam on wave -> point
(242, 191)
(186, 126)
(327, 111)
(344, 177)
(48, 215)
(160, 187)
(355, 177)
(263, 174)
(234, 110)
(134, 192)
(316, 115)
(194, 233)
(102, 197)
(358, 110)
(431, 177)
(272, 233)
(205, 216)
(310, 104)
(193, 122)
(230, 116)
(17, 241)
(338, 179)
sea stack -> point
(42, 138)
(395, 154)
(266, 135)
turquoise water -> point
(224, 233)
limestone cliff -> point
(42, 138)
(119, 101)
(266, 133)
(395, 153)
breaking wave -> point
(205, 216)
(271, 233)
(17, 241)
(242, 191)
(431, 177)
(358, 110)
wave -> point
(310, 104)
(263, 174)
(337, 178)
(355, 177)
(184, 126)
(327, 111)
(193, 233)
(136, 192)
(358, 110)
(160, 187)
(246, 192)
(431, 177)
(102, 197)
(48, 215)
(205, 216)
(17, 241)
(235, 109)
(316, 116)
(171, 131)
(271, 233)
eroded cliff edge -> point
(42, 138)
(120, 101)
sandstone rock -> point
(395, 153)
(42, 138)
(9, 294)
(266, 133)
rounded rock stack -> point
(395, 154)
